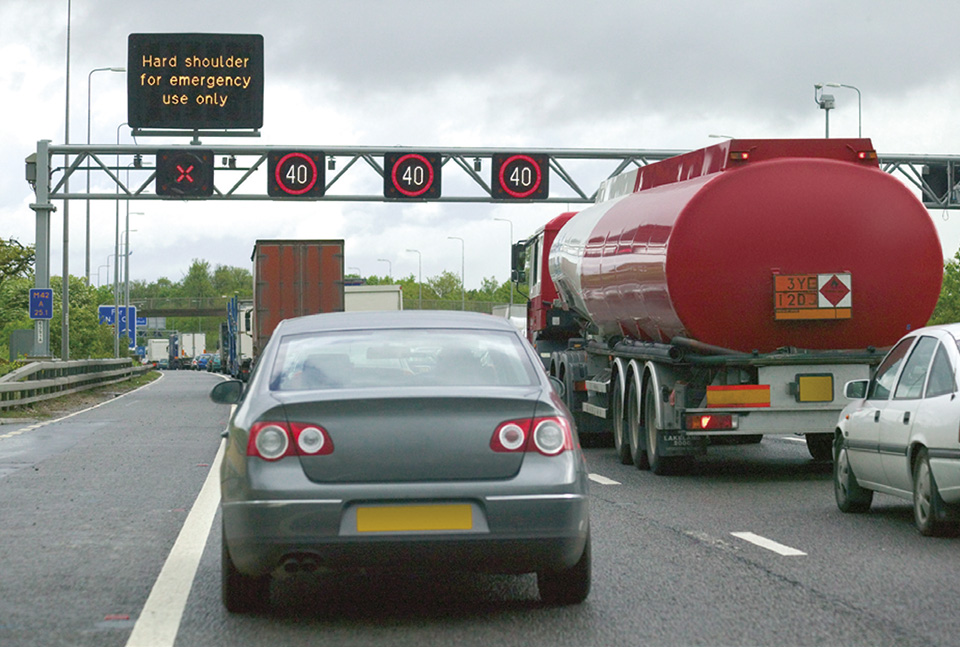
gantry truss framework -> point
(355, 173)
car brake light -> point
(548, 436)
(274, 440)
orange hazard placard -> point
(812, 296)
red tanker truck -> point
(728, 292)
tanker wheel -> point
(621, 442)
(659, 464)
(638, 453)
(820, 446)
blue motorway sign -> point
(106, 315)
(41, 303)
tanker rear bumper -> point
(771, 421)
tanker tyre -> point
(820, 446)
(621, 441)
(635, 431)
(659, 464)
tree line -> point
(90, 339)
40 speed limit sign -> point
(295, 174)
(518, 176)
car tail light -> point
(549, 436)
(274, 440)
(312, 440)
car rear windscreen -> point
(401, 358)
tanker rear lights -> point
(710, 422)
(867, 155)
(739, 156)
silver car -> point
(417, 439)
(901, 434)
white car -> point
(901, 433)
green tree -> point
(446, 286)
(198, 282)
(228, 281)
(88, 337)
(948, 306)
(16, 260)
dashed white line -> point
(602, 480)
(769, 544)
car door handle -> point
(876, 415)
(906, 417)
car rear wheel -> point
(929, 510)
(850, 496)
(567, 586)
(620, 440)
(241, 593)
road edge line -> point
(159, 620)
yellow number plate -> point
(412, 518)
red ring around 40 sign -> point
(426, 185)
(522, 158)
(313, 171)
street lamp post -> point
(509, 222)
(463, 297)
(359, 273)
(126, 266)
(859, 113)
(826, 103)
(419, 276)
(89, 87)
(389, 267)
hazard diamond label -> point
(834, 290)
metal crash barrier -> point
(51, 379)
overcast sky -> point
(451, 73)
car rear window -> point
(401, 358)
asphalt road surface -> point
(109, 535)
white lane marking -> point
(159, 621)
(602, 480)
(769, 544)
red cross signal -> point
(185, 173)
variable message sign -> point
(195, 81)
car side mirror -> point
(228, 392)
(558, 386)
(856, 389)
